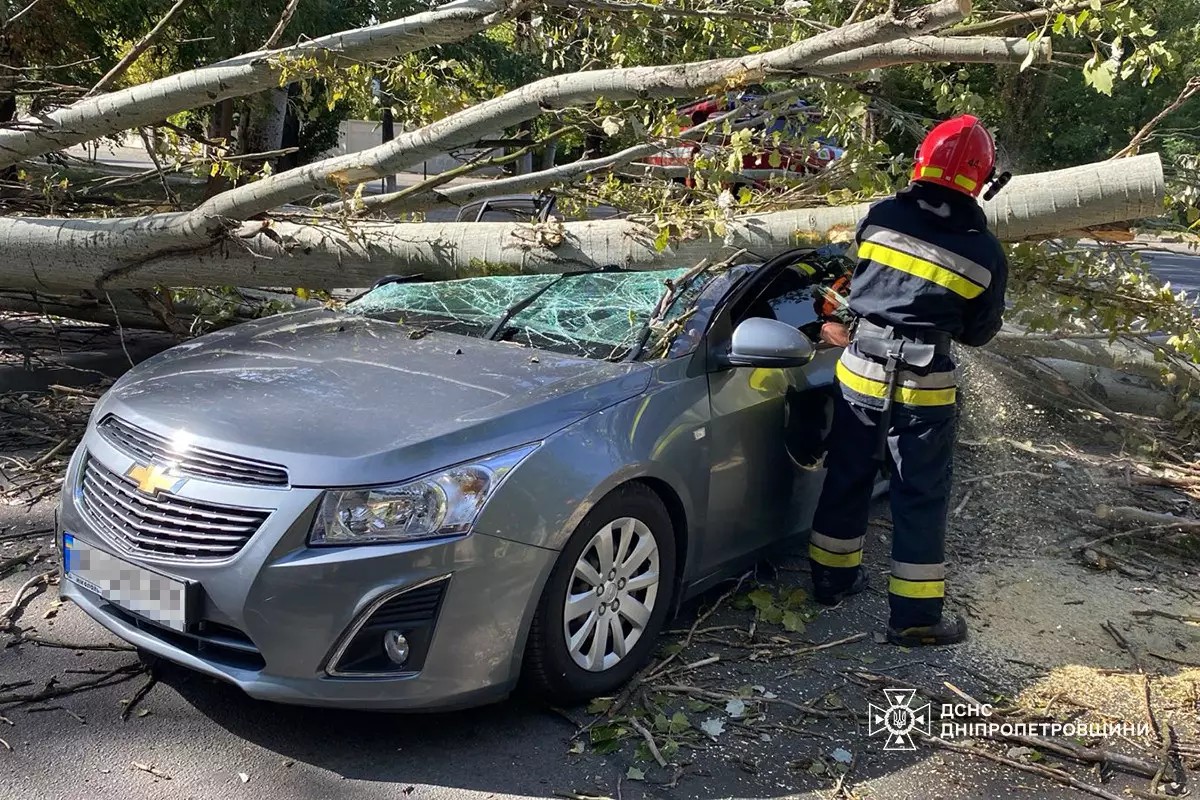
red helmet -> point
(958, 153)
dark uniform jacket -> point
(926, 262)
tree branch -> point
(465, 127)
(284, 19)
(149, 103)
(927, 49)
(1033, 16)
(126, 62)
(666, 10)
(1190, 90)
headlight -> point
(442, 504)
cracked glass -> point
(598, 315)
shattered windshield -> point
(597, 315)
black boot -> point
(827, 595)
(948, 630)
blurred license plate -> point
(148, 594)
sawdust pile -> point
(1108, 696)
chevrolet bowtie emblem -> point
(154, 479)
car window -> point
(502, 214)
(596, 315)
(601, 315)
(797, 295)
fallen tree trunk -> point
(60, 255)
(1123, 356)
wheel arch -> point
(679, 526)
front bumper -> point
(283, 607)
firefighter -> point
(928, 272)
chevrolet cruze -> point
(439, 490)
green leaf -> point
(606, 733)
(775, 160)
(662, 240)
(696, 706)
(606, 747)
(679, 722)
(635, 774)
(599, 705)
(772, 614)
(761, 599)
(792, 622)
(795, 598)
(1060, 22)
(1100, 75)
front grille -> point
(211, 641)
(198, 462)
(163, 525)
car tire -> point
(553, 669)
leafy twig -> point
(640, 728)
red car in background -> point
(803, 159)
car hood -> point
(342, 400)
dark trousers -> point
(920, 450)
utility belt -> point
(894, 350)
(939, 340)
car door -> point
(767, 428)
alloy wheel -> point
(611, 594)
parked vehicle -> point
(510, 208)
(416, 500)
(795, 153)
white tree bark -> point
(911, 50)
(151, 102)
(60, 255)
(467, 126)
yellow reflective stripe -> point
(943, 257)
(807, 269)
(910, 397)
(965, 182)
(931, 172)
(828, 559)
(919, 267)
(918, 590)
(873, 370)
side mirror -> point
(760, 342)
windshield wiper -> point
(647, 328)
(501, 325)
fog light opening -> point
(396, 647)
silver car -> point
(443, 489)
